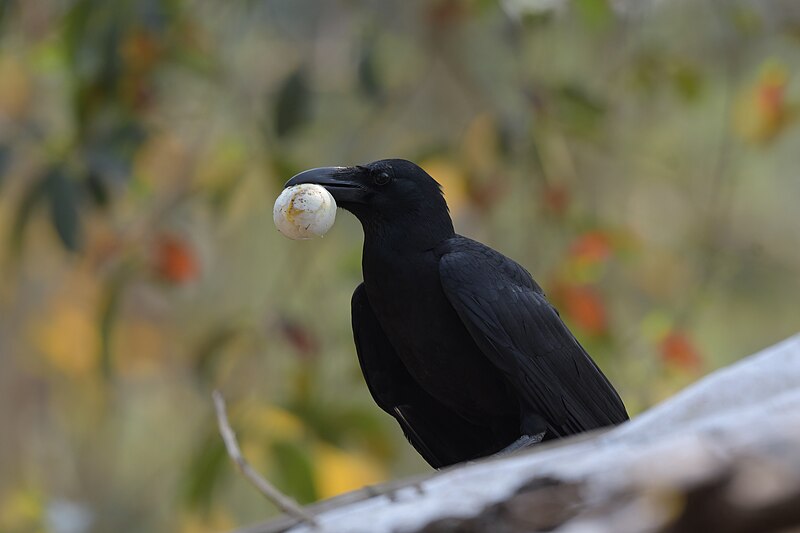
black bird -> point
(455, 340)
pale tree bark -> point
(722, 455)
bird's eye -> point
(381, 178)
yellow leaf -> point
(452, 180)
(763, 112)
(266, 424)
(15, 88)
(339, 471)
(22, 511)
(480, 145)
(277, 422)
(218, 519)
(67, 337)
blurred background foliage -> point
(640, 159)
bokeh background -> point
(640, 158)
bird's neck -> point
(413, 233)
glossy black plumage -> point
(455, 340)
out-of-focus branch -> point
(270, 492)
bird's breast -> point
(430, 339)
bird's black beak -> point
(339, 181)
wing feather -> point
(508, 316)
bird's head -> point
(384, 193)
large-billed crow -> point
(455, 340)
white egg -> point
(304, 211)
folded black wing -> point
(514, 325)
(439, 435)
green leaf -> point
(109, 310)
(5, 159)
(595, 14)
(688, 82)
(5, 6)
(292, 104)
(578, 108)
(746, 20)
(206, 467)
(63, 197)
(284, 168)
(98, 190)
(369, 81)
(294, 473)
(367, 425)
(31, 198)
(211, 348)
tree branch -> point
(270, 492)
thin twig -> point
(279, 499)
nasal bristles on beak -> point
(362, 168)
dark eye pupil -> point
(382, 178)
